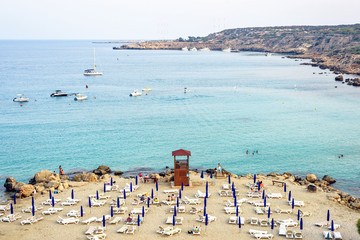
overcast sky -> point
(161, 19)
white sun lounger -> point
(171, 191)
(180, 209)
(131, 230)
(114, 202)
(31, 220)
(337, 236)
(4, 208)
(172, 231)
(253, 232)
(336, 226)
(74, 213)
(29, 209)
(97, 236)
(97, 203)
(169, 202)
(263, 236)
(67, 221)
(254, 221)
(123, 229)
(194, 201)
(120, 210)
(297, 234)
(200, 194)
(100, 219)
(297, 203)
(288, 222)
(261, 204)
(232, 210)
(274, 195)
(201, 218)
(321, 224)
(281, 210)
(178, 220)
(116, 220)
(254, 195)
(195, 210)
(263, 222)
(10, 218)
(282, 230)
(139, 210)
(90, 230)
(90, 220)
(235, 220)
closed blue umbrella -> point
(206, 220)
(72, 193)
(263, 194)
(207, 188)
(180, 194)
(205, 201)
(182, 186)
(264, 202)
(289, 195)
(138, 222)
(143, 211)
(152, 193)
(235, 202)
(103, 221)
(211, 174)
(328, 215)
(301, 224)
(298, 215)
(233, 186)
(269, 212)
(148, 202)
(229, 180)
(332, 225)
(111, 181)
(136, 180)
(272, 224)
(204, 211)
(131, 187)
(11, 209)
(89, 202)
(173, 220)
(174, 210)
(259, 187)
(233, 191)
(33, 210)
(50, 194)
(14, 198)
(177, 201)
(284, 187)
(32, 200)
(157, 186)
(293, 203)
(104, 187)
(254, 178)
(81, 211)
(118, 202)
(124, 194)
(97, 195)
(202, 174)
(53, 201)
(237, 211)
(112, 211)
(239, 222)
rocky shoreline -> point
(45, 181)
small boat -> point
(58, 93)
(268, 54)
(193, 49)
(80, 97)
(147, 89)
(135, 93)
(227, 50)
(186, 90)
(20, 98)
(204, 49)
(185, 49)
(92, 71)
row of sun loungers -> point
(260, 234)
(127, 229)
(169, 231)
(10, 218)
(31, 220)
(51, 211)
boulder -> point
(102, 170)
(39, 188)
(60, 187)
(64, 178)
(44, 175)
(18, 186)
(311, 177)
(291, 179)
(339, 78)
(99, 172)
(105, 178)
(355, 205)
(10, 184)
(248, 176)
(272, 174)
(297, 178)
(328, 179)
(162, 174)
(287, 173)
(65, 185)
(85, 177)
(52, 184)
(333, 196)
(311, 188)
(27, 190)
(117, 173)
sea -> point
(289, 117)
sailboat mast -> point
(94, 61)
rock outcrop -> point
(85, 177)
(328, 179)
(102, 170)
(27, 190)
(10, 184)
(311, 177)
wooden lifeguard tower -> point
(181, 167)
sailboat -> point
(92, 72)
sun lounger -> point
(90, 230)
(253, 232)
(103, 197)
(261, 204)
(139, 210)
(327, 235)
(100, 230)
(232, 210)
(281, 210)
(73, 199)
(68, 203)
(337, 236)
(172, 231)
(289, 234)
(73, 213)
(297, 203)
(31, 220)
(226, 186)
(162, 229)
(180, 209)
(134, 187)
(137, 202)
(171, 191)
(169, 202)
(120, 210)
(116, 220)
(114, 202)
(97, 236)
(263, 222)
(274, 195)
(100, 219)
(225, 193)
(288, 222)
(178, 220)
(90, 220)
(200, 194)
(235, 220)
(259, 210)
(29, 209)
(195, 210)
(305, 213)
(97, 203)
(254, 221)
(193, 201)
(263, 236)
(201, 218)
(298, 235)
(10, 218)
(131, 230)
(51, 211)
(67, 221)
(282, 230)
(123, 229)
(4, 208)
(321, 224)
(254, 195)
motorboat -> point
(58, 93)
(20, 98)
(268, 54)
(80, 97)
(92, 71)
(135, 93)
(227, 50)
(147, 89)
(204, 49)
(193, 49)
(186, 90)
(185, 49)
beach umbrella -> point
(180, 194)
(233, 186)
(269, 212)
(138, 222)
(148, 202)
(111, 181)
(11, 209)
(211, 176)
(174, 210)
(301, 224)
(204, 210)
(205, 201)
(173, 220)
(235, 202)
(289, 195)
(328, 215)
(259, 187)
(332, 225)
(50, 194)
(14, 199)
(81, 211)
(239, 222)
(89, 202)
(33, 210)
(182, 186)
(264, 202)
(206, 220)
(254, 178)
(136, 180)
(112, 211)
(272, 224)
(118, 202)
(202, 174)
(237, 211)
(284, 187)
(103, 221)
(131, 187)
(104, 187)
(207, 188)
(293, 203)
(97, 195)
(143, 211)
(157, 186)
(177, 201)
(328, 235)
(72, 193)
(298, 215)
(229, 180)
(124, 194)
(53, 201)
(263, 194)
(152, 193)
(32, 200)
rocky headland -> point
(329, 47)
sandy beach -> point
(316, 203)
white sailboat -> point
(80, 97)
(185, 49)
(92, 72)
(21, 98)
(227, 50)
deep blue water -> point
(238, 102)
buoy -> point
(117, 58)
(94, 97)
(35, 100)
(87, 86)
(282, 102)
(249, 94)
(315, 108)
(20, 105)
(276, 99)
(69, 103)
(146, 94)
(128, 55)
(75, 94)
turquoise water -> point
(238, 102)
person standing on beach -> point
(60, 170)
(220, 169)
(34, 193)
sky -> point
(161, 19)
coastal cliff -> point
(330, 47)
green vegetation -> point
(358, 226)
